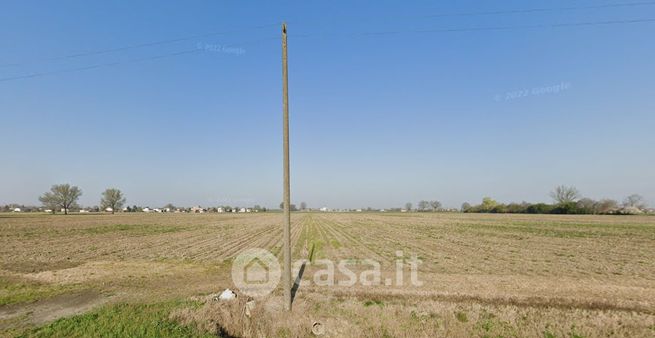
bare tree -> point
(423, 205)
(563, 194)
(634, 201)
(408, 206)
(436, 205)
(587, 205)
(607, 206)
(112, 198)
(61, 195)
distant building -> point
(146, 209)
(220, 209)
(16, 210)
(198, 210)
(108, 209)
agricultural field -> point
(153, 275)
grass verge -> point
(121, 320)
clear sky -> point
(391, 101)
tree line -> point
(65, 197)
(566, 200)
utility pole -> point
(287, 186)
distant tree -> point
(292, 207)
(539, 208)
(423, 205)
(488, 204)
(408, 206)
(466, 206)
(49, 201)
(563, 194)
(587, 206)
(567, 208)
(112, 198)
(634, 201)
(499, 209)
(303, 206)
(170, 206)
(607, 206)
(516, 208)
(435, 205)
(61, 195)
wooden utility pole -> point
(287, 187)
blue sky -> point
(427, 110)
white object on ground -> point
(227, 295)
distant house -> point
(146, 209)
(198, 210)
(47, 210)
(16, 210)
(108, 209)
(324, 209)
(220, 209)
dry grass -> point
(484, 275)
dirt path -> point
(44, 311)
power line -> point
(512, 11)
(498, 28)
(102, 65)
(541, 10)
(140, 45)
(478, 29)
(364, 34)
(138, 60)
